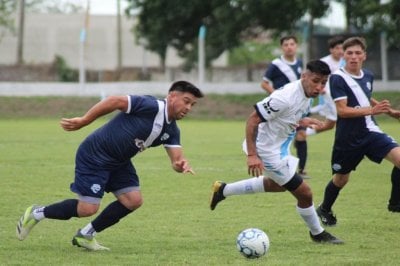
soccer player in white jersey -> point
(282, 70)
(270, 129)
(326, 107)
(103, 160)
(357, 133)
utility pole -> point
(21, 26)
(119, 37)
(201, 55)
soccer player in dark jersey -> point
(288, 68)
(357, 133)
(103, 160)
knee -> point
(86, 209)
(133, 203)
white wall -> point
(49, 34)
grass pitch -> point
(175, 225)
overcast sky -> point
(109, 7)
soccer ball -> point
(252, 243)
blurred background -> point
(223, 45)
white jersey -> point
(326, 107)
(281, 113)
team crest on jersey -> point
(268, 108)
(369, 86)
(140, 144)
(165, 136)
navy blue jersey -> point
(357, 90)
(143, 125)
(280, 72)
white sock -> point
(246, 186)
(310, 217)
(88, 230)
(38, 213)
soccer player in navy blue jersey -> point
(288, 68)
(103, 160)
(357, 133)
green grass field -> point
(175, 225)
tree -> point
(176, 23)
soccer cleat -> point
(26, 222)
(327, 217)
(326, 237)
(303, 174)
(394, 207)
(217, 194)
(88, 242)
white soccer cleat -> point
(26, 222)
(87, 242)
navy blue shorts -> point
(375, 146)
(92, 182)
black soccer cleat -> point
(327, 238)
(327, 217)
(217, 194)
(394, 207)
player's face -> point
(289, 48)
(355, 57)
(313, 83)
(180, 104)
(337, 52)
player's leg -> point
(394, 201)
(124, 184)
(221, 190)
(305, 207)
(301, 150)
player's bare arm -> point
(254, 163)
(103, 107)
(376, 108)
(267, 86)
(310, 122)
(178, 162)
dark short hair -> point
(184, 86)
(288, 37)
(352, 41)
(318, 67)
(336, 40)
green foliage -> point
(175, 225)
(176, 23)
(64, 72)
(251, 52)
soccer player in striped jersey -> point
(103, 160)
(357, 133)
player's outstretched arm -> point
(103, 107)
(178, 162)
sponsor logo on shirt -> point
(268, 108)
(165, 136)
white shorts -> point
(281, 170)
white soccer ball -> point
(252, 243)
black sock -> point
(331, 193)
(63, 210)
(110, 216)
(395, 195)
(301, 147)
